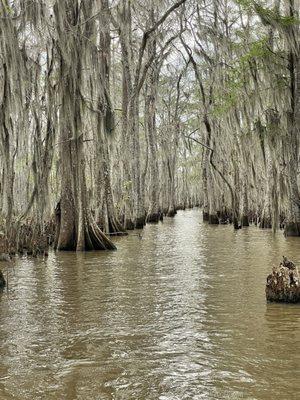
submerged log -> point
(2, 280)
(283, 283)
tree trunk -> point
(105, 128)
(133, 129)
(77, 229)
(292, 227)
(153, 214)
(245, 207)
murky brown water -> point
(180, 314)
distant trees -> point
(245, 59)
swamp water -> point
(179, 314)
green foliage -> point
(238, 75)
(258, 49)
(5, 9)
(273, 17)
(245, 4)
(269, 16)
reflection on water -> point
(180, 314)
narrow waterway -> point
(178, 314)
